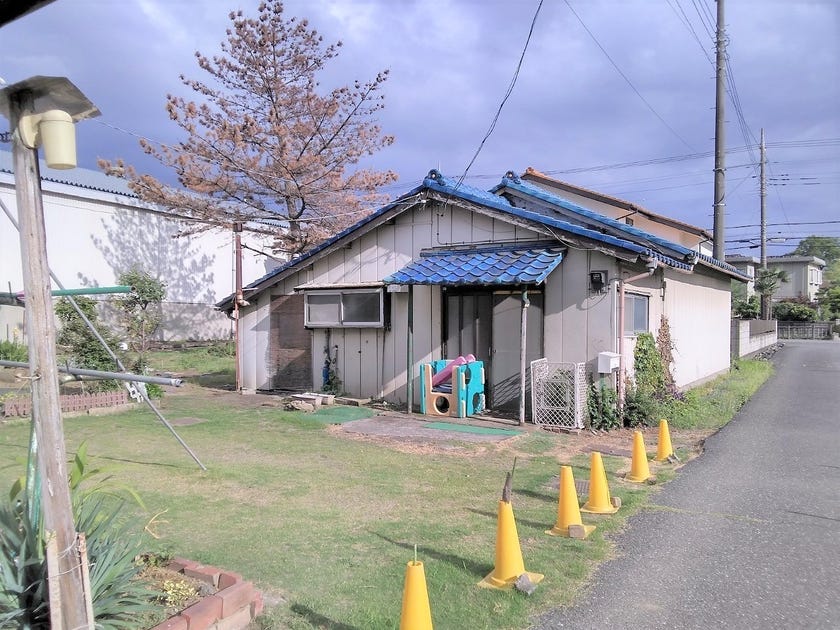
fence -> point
(805, 330)
(558, 394)
(749, 336)
(22, 405)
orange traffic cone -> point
(599, 501)
(509, 564)
(639, 470)
(664, 450)
(416, 614)
(568, 513)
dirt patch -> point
(185, 422)
(412, 433)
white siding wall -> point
(698, 310)
(93, 236)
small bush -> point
(747, 309)
(601, 403)
(640, 408)
(112, 543)
(224, 349)
(13, 351)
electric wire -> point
(505, 98)
(626, 79)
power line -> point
(626, 79)
(687, 23)
(504, 99)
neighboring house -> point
(689, 236)
(448, 269)
(804, 274)
(97, 228)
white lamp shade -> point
(58, 138)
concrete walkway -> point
(748, 535)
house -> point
(804, 274)
(97, 228)
(515, 273)
(627, 212)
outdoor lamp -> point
(46, 119)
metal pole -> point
(110, 352)
(46, 409)
(117, 376)
(720, 138)
(523, 348)
(409, 351)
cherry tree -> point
(265, 143)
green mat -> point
(467, 428)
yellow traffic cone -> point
(599, 501)
(568, 522)
(664, 450)
(639, 470)
(416, 614)
(509, 564)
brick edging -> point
(232, 607)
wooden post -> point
(523, 350)
(237, 300)
(43, 372)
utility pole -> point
(720, 138)
(763, 194)
(43, 371)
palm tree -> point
(767, 282)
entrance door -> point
(487, 325)
(507, 323)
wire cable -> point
(504, 99)
(626, 79)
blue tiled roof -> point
(495, 265)
(514, 183)
(436, 181)
(625, 237)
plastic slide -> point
(446, 373)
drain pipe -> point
(652, 264)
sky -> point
(613, 95)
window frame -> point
(634, 298)
(342, 322)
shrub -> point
(648, 368)
(79, 342)
(118, 597)
(601, 403)
(13, 351)
(747, 309)
(640, 408)
(794, 312)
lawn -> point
(325, 524)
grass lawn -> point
(325, 524)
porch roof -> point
(492, 265)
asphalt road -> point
(748, 535)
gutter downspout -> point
(523, 338)
(621, 385)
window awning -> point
(496, 265)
